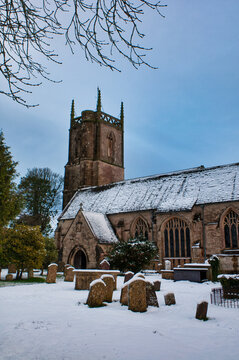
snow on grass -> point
(51, 321)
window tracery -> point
(141, 229)
(231, 230)
(177, 241)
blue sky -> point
(182, 115)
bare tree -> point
(103, 28)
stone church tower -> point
(96, 155)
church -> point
(190, 214)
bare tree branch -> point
(102, 28)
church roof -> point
(174, 191)
(100, 226)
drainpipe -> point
(203, 234)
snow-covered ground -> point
(51, 322)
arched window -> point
(231, 230)
(177, 241)
(111, 146)
(141, 229)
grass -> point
(23, 281)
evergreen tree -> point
(132, 255)
(24, 246)
(10, 200)
(41, 189)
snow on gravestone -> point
(137, 295)
(96, 294)
(51, 273)
(69, 275)
(104, 265)
(110, 283)
(168, 265)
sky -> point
(182, 115)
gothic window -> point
(231, 230)
(177, 241)
(111, 146)
(141, 229)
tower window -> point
(111, 146)
(177, 241)
(231, 225)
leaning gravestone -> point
(110, 283)
(157, 285)
(137, 295)
(69, 275)
(201, 313)
(151, 297)
(96, 294)
(169, 299)
(128, 275)
(51, 273)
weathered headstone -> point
(109, 282)
(137, 295)
(9, 277)
(65, 268)
(96, 294)
(168, 265)
(169, 299)
(201, 313)
(151, 297)
(124, 294)
(128, 275)
(157, 285)
(51, 273)
(69, 274)
(104, 265)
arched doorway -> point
(80, 260)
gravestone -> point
(201, 313)
(128, 275)
(137, 295)
(124, 294)
(169, 299)
(139, 275)
(9, 277)
(96, 294)
(69, 274)
(168, 265)
(157, 285)
(65, 268)
(51, 273)
(109, 282)
(104, 265)
(151, 297)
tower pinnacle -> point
(98, 107)
(72, 113)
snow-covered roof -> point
(176, 191)
(100, 226)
